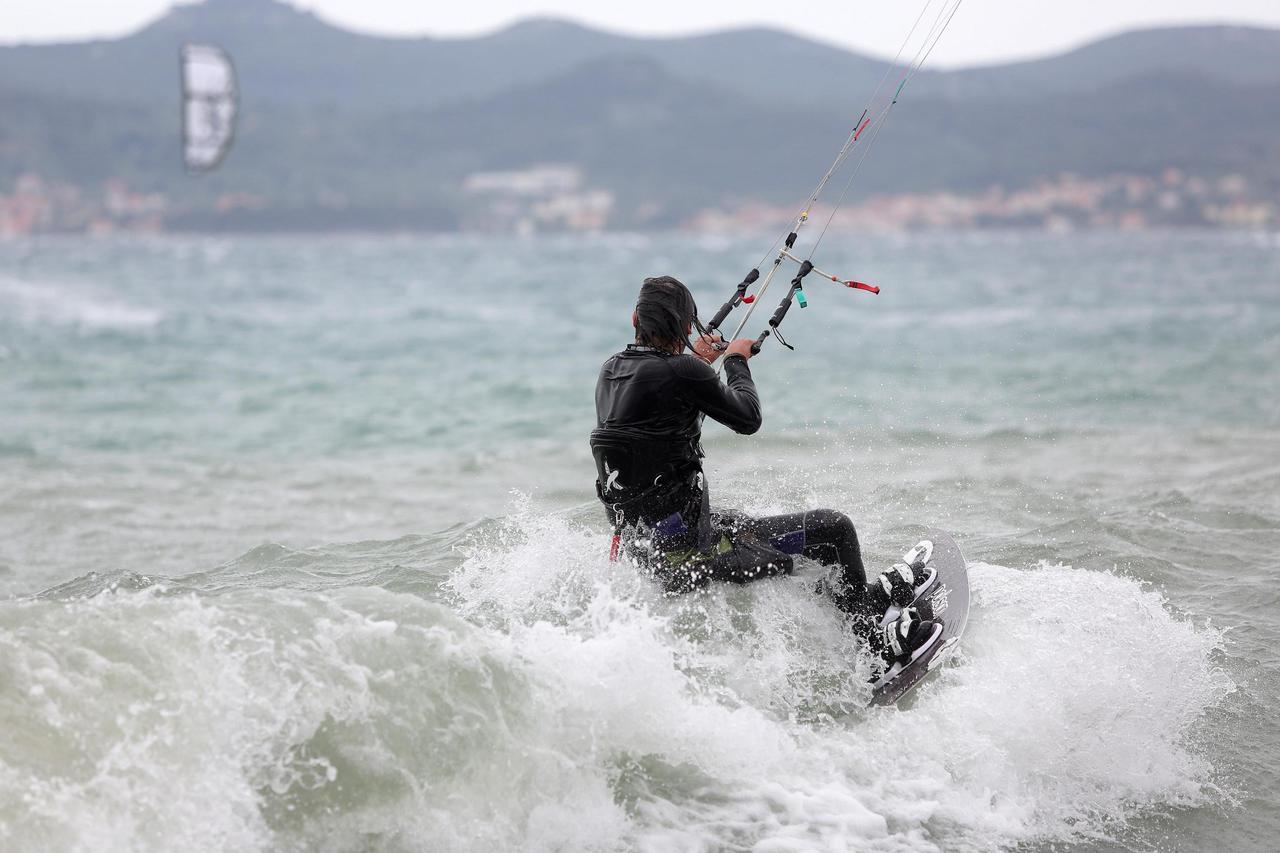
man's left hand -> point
(709, 348)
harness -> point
(665, 485)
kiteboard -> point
(945, 592)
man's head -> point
(665, 314)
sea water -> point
(299, 550)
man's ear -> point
(635, 319)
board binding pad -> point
(946, 590)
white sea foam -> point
(577, 709)
(38, 303)
(1072, 709)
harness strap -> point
(660, 484)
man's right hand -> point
(740, 346)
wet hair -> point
(664, 312)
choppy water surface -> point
(298, 551)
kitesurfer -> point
(650, 400)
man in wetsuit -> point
(650, 402)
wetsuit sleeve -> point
(733, 402)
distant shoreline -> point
(621, 234)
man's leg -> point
(829, 537)
(824, 535)
(693, 548)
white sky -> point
(984, 30)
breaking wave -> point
(45, 303)
(541, 698)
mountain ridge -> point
(336, 124)
(298, 57)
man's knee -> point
(839, 525)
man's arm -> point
(733, 402)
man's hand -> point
(709, 348)
(741, 346)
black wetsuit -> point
(647, 448)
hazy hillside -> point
(291, 56)
(1242, 55)
(346, 130)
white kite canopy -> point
(209, 105)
